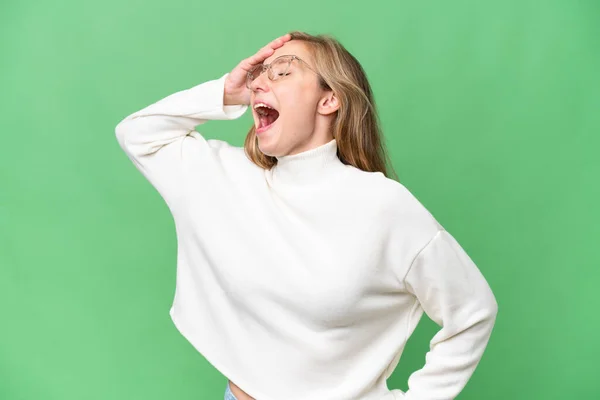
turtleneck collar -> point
(306, 166)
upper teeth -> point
(261, 105)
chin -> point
(269, 147)
(264, 144)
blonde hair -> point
(356, 127)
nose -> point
(261, 82)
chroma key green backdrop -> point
(491, 113)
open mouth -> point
(266, 117)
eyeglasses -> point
(275, 70)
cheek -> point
(297, 100)
(297, 103)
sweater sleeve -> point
(161, 140)
(455, 295)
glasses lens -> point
(253, 74)
(280, 67)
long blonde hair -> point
(356, 127)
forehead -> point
(293, 47)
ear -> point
(328, 104)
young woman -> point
(302, 268)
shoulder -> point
(406, 226)
(396, 203)
(231, 157)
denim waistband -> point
(228, 394)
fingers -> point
(262, 54)
(279, 41)
(270, 48)
(266, 51)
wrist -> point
(229, 100)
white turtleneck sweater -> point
(304, 282)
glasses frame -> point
(270, 70)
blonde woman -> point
(302, 267)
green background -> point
(490, 110)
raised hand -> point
(236, 91)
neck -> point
(307, 166)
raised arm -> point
(161, 139)
(454, 294)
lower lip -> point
(265, 128)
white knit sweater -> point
(304, 282)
